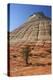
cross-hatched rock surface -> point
(36, 28)
(36, 34)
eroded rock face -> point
(38, 28)
(36, 34)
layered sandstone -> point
(36, 34)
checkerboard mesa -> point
(37, 28)
(30, 46)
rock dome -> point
(36, 28)
(33, 38)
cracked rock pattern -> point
(36, 34)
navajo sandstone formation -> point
(36, 34)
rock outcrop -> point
(36, 34)
(36, 28)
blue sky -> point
(19, 13)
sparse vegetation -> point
(26, 54)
